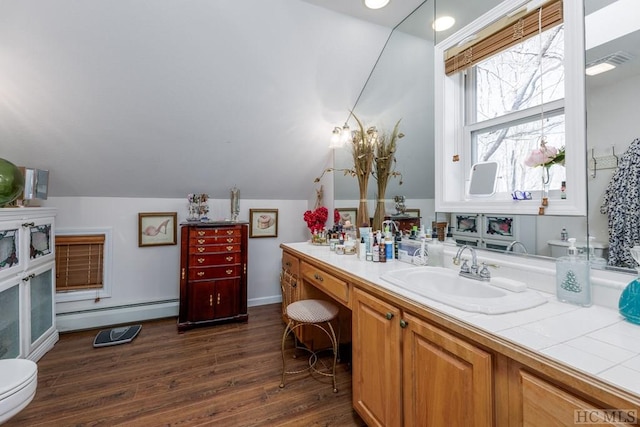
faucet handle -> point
(465, 267)
(484, 271)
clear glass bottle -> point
(573, 283)
(435, 251)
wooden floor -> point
(226, 375)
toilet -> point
(18, 382)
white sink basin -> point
(446, 286)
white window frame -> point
(452, 177)
(91, 294)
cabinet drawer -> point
(214, 259)
(216, 240)
(326, 282)
(203, 273)
(214, 249)
(215, 232)
(290, 264)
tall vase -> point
(546, 185)
(378, 217)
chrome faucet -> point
(514, 243)
(472, 272)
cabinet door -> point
(40, 240)
(226, 296)
(376, 361)
(447, 381)
(541, 403)
(10, 319)
(41, 304)
(201, 301)
(11, 260)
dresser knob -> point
(200, 249)
(229, 258)
(200, 241)
(200, 260)
(229, 240)
(200, 233)
(200, 273)
(229, 248)
(229, 271)
(229, 232)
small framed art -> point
(263, 222)
(157, 228)
(348, 214)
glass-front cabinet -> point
(27, 282)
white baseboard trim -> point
(254, 302)
(109, 316)
(91, 319)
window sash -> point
(79, 262)
(501, 35)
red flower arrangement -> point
(336, 216)
(316, 219)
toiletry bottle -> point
(449, 240)
(396, 245)
(362, 249)
(595, 261)
(375, 249)
(564, 235)
(382, 247)
(572, 277)
(563, 190)
(435, 251)
(388, 244)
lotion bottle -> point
(572, 277)
(435, 251)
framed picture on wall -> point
(157, 228)
(263, 222)
(415, 213)
(348, 214)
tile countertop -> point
(596, 340)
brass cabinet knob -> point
(229, 258)
(229, 271)
(200, 241)
(200, 273)
(229, 248)
(200, 233)
(200, 249)
(200, 260)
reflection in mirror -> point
(613, 38)
(483, 179)
(401, 87)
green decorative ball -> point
(11, 182)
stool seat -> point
(312, 311)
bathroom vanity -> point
(418, 362)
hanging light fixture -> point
(376, 4)
(345, 134)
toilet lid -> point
(14, 374)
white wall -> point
(150, 274)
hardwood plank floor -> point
(225, 375)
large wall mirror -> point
(401, 87)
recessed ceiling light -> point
(443, 23)
(376, 4)
(599, 68)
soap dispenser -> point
(629, 304)
(572, 277)
(435, 251)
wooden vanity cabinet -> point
(407, 371)
(213, 274)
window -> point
(83, 264)
(79, 262)
(494, 101)
(512, 100)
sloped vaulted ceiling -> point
(163, 98)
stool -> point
(317, 313)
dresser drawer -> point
(291, 264)
(214, 249)
(216, 232)
(213, 240)
(333, 286)
(218, 272)
(214, 259)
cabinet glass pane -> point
(9, 254)
(41, 304)
(10, 323)
(40, 242)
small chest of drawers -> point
(213, 274)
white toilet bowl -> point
(18, 382)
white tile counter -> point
(596, 340)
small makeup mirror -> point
(482, 182)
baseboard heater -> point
(116, 315)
